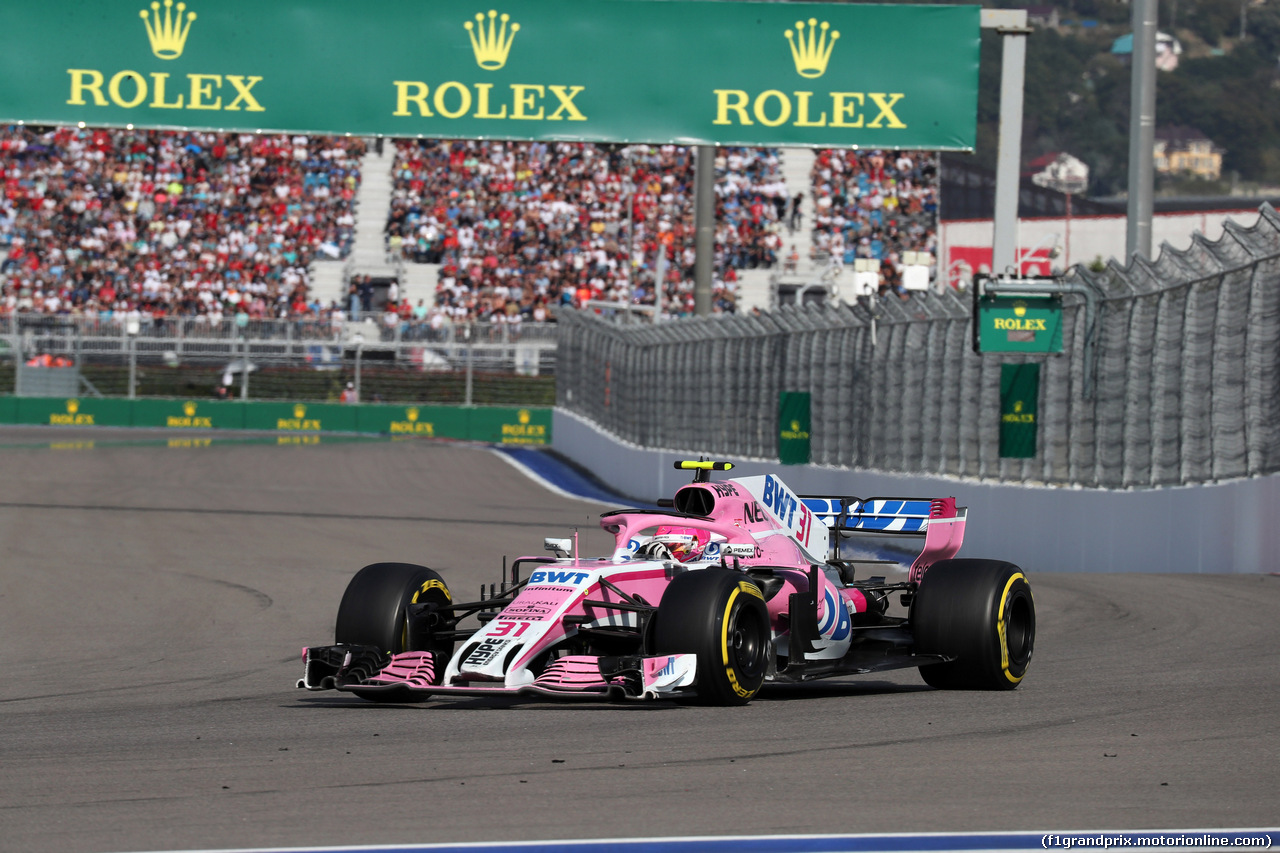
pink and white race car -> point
(729, 586)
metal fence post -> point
(133, 366)
(131, 329)
(471, 346)
(244, 364)
(359, 354)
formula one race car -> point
(727, 587)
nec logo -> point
(571, 578)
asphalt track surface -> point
(155, 598)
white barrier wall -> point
(1082, 239)
(1222, 528)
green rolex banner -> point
(1019, 396)
(793, 428)
(684, 71)
(1019, 325)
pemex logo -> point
(168, 35)
(812, 52)
(492, 46)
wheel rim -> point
(1019, 631)
(746, 643)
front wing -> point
(410, 676)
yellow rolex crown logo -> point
(168, 35)
(73, 406)
(812, 52)
(189, 409)
(1017, 407)
(795, 426)
(491, 46)
(299, 411)
(411, 413)
(1019, 309)
(523, 416)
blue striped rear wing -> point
(876, 515)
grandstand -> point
(208, 225)
(201, 224)
(550, 223)
(370, 254)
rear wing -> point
(881, 515)
(938, 520)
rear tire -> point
(981, 613)
(720, 616)
(372, 612)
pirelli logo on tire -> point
(430, 585)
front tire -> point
(372, 612)
(981, 613)
(720, 616)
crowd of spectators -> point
(520, 226)
(875, 204)
(95, 221)
(209, 225)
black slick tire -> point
(720, 616)
(981, 613)
(372, 612)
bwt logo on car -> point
(571, 578)
(779, 499)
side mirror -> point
(561, 547)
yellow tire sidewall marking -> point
(429, 584)
(1002, 631)
(432, 584)
(724, 644)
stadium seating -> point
(517, 225)
(95, 221)
(877, 205)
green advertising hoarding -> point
(793, 427)
(510, 426)
(74, 411)
(188, 414)
(420, 421)
(1007, 324)
(1019, 405)
(300, 417)
(760, 74)
(489, 424)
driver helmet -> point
(685, 543)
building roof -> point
(1041, 162)
(1123, 46)
(1176, 134)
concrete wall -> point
(1221, 528)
